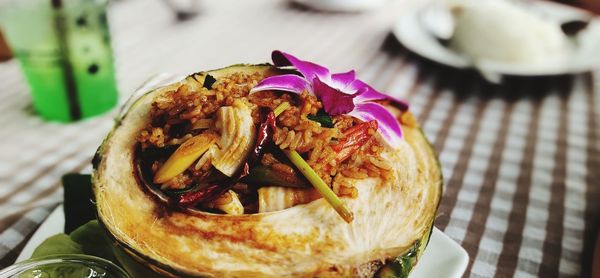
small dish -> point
(65, 266)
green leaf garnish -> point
(323, 118)
(88, 239)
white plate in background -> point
(413, 34)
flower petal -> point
(342, 80)
(307, 69)
(370, 94)
(334, 101)
(389, 127)
(286, 82)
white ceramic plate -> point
(442, 258)
(413, 34)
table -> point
(521, 161)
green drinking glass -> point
(64, 50)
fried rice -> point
(175, 113)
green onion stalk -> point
(314, 179)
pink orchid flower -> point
(340, 93)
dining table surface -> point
(520, 160)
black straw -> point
(69, 76)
